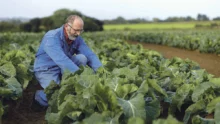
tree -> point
(120, 20)
(35, 24)
(156, 20)
(54, 21)
(216, 18)
(202, 17)
(26, 27)
(8, 26)
(47, 23)
(90, 24)
(60, 15)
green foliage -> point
(193, 109)
(1, 111)
(152, 110)
(9, 26)
(135, 120)
(60, 15)
(130, 86)
(169, 120)
(201, 90)
(199, 120)
(8, 70)
(217, 113)
(133, 107)
(212, 105)
(206, 41)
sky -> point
(111, 9)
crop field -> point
(155, 26)
(137, 85)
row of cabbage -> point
(16, 59)
(206, 41)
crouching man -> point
(62, 49)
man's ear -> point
(65, 25)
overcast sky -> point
(110, 9)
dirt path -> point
(210, 62)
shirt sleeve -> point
(93, 60)
(54, 49)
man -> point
(62, 49)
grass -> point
(161, 25)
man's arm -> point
(93, 60)
(54, 49)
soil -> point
(20, 112)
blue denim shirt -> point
(55, 52)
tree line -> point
(50, 22)
(90, 23)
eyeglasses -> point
(76, 30)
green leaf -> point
(15, 86)
(64, 90)
(95, 118)
(86, 79)
(199, 120)
(182, 94)
(8, 69)
(52, 102)
(74, 115)
(105, 97)
(49, 90)
(135, 120)
(127, 72)
(20, 54)
(135, 107)
(1, 111)
(53, 118)
(124, 90)
(170, 120)
(65, 108)
(192, 109)
(211, 106)
(217, 113)
(216, 81)
(198, 75)
(113, 83)
(4, 92)
(143, 88)
(23, 75)
(111, 117)
(200, 90)
(152, 110)
(153, 83)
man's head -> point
(74, 26)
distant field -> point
(163, 25)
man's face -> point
(74, 29)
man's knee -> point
(44, 78)
(81, 59)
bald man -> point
(62, 49)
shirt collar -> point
(64, 35)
